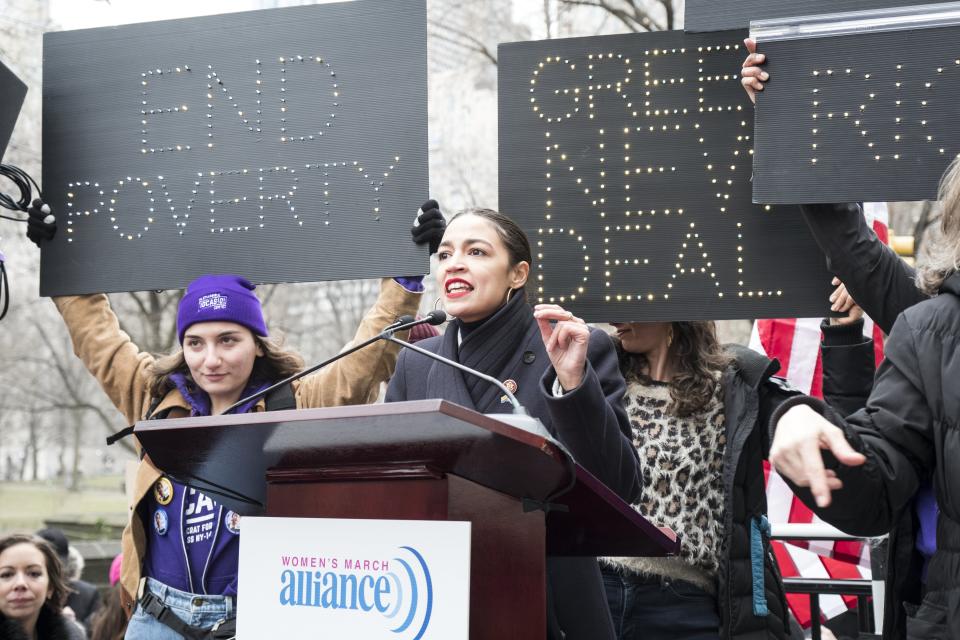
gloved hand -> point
(430, 226)
(41, 223)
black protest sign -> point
(627, 161)
(858, 117)
(282, 145)
(12, 93)
(719, 15)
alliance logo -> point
(402, 598)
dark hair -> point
(58, 584)
(698, 359)
(275, 364)
(110, 621)
(510, 233)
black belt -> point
(153, 605)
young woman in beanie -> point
(180, 547)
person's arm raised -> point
(587, 411)
(356, 378)
(106, 350)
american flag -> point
(795, 343)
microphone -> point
(435, 317)
(402, 323)
(520, 418)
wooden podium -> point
(421, 460)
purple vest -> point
(193, 542)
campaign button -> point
(163, 491)
(160, 522)
(232, 522)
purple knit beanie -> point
(220, 298)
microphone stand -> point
(401, 324)
(520, 418)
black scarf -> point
(490, 346)
(50, 626)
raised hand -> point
(752, 76)
(566, 341)
(795, 453)
(41, 223)
(429, 226)
(843, 302)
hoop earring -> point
(670, 337)
(436, 304)
(509, 293)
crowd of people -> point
(674, 422)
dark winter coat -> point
(883, 286)
(590, 420)
(909, 432)
(880, 282)
(50, 626)
(751, 394)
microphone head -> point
(405, 319)
(437, 316)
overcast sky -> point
(82, 14)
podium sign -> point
(398, 579)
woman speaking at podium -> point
(559, 372)
(180, 547)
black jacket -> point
(590, 420)
(909, 432)
(880, 282)
(751, 395)
(50, 626)
(883, 286)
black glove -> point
(41, 224)
(430, 226)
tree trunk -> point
(30, 452)
(73, 482)
(62, 443)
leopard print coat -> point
(682, 463)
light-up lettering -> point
(238, 198)
(609, 172)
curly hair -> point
(58, 582)
(698, 359)
(275, 364)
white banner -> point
(358, 579)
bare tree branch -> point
(630, 12)
(462, 39)
(68, 381)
